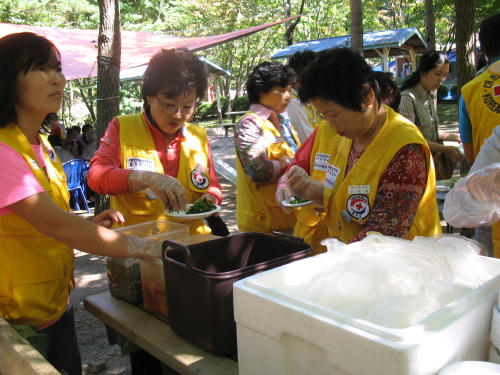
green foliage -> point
(442, 91)
(130, 97)
(399, 80)
(193, 18)
(207, 110)
(80, 14)
(454, 90)
(241, 103)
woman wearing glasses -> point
(157, 156)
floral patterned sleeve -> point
(400, 190)
(251, 149)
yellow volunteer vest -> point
(482, 100)
(256, 208)
(139, 153)
(36, 271)
(314, 117)
(349, 199)
(311, 224)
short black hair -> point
(489, 39)
(267, 75)
(179, 71)
(85, 127)
(339, 75)
(20, 53)
(427, 62)
(299, 60)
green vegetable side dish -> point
(298, 200)
(201, 206)
(455, 180)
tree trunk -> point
(430, 27)
(108, 73)
(291, 25)
(465, 27)
(356, 26)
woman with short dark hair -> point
(378, 175)
(155, 161)
(265, 142)
(418, 103)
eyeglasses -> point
(170, 109)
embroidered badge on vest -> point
(199, 179)
(52, 154)
(491, 94)
(358, 206)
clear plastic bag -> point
(393, 282)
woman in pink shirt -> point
(37, 231)
(155, 160)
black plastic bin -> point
(199, 282)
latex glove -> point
(283, 193)
(168, 189)
(107, 218)
(143, 249)
(475, 199)
(302, 185)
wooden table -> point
(156, 337)
(18, 357)
(232, 124)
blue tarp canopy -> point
(397, 40)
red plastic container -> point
(199, 282)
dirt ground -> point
(90, 270)
(90, 275)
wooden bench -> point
(227, 127)
(234, 114)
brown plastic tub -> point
(199, 282)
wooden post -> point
(217, 95)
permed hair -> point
(267, 75)
(389, 90)
(488, 36)
(20, 53)
(174, 72)
(339, 75)
(428, 61)
(299, 60)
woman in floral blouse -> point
(378, 174)
(265, 142)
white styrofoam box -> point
(495, 327)
(471, 368)
(280, 334)
(494, 354)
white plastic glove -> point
(168, 189)
(475, 199)
(283, 193)
(143, 249)
(302, 185)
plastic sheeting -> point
(393, 282)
